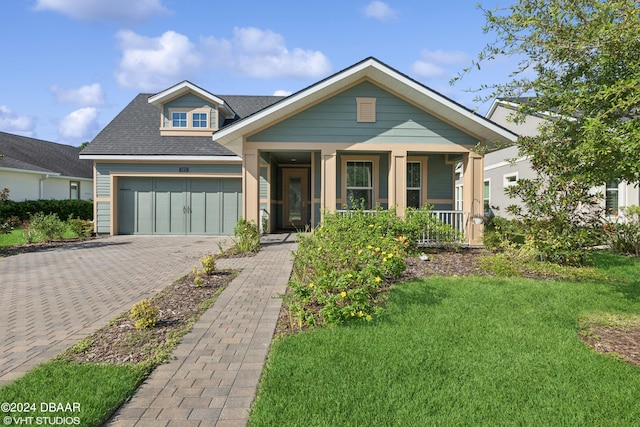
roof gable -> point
(335, 120)
(384, 76)
(187, 87)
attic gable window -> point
(179, 119)
(190, 119)
(200, 120)
(366, 110)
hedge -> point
(82, 209)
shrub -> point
(63, 208)
(246, 236)
(198, 281)
(624, 237)
(8, 224)
(340, 268)
(502, 233)
(563, 218)
(80, 227)
(208, 264)
(145, 314)
(45, 227)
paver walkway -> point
(51, 299)
(214, 377)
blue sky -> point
(70, 66)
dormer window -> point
(200, 120)
(190, 119)
(178, 120)
(188, 110)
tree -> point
(581, 61)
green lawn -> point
(461, 351)
(96, 389)
(16, 237)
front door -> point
(296, 194)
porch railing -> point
(456, 233)
(437, 235)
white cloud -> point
(435, 63)
(263, 54)
(154, 63)
(122, 11)
(81, 124)
(282, 92)
(11, 122)
(379, 10)
(427, 70)
(85, 95)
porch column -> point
(473, 195)
(398, 181)
(328, 181)
(251, 185)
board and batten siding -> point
(334, 120)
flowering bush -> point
(343, 264)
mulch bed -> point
(179, 305)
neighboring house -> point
(504, 167)
(34, 169)
(185, 161)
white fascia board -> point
(107, 157)
(185, 87)
(34, 172)
(505, 163)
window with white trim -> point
(74, 190)
(414, 185)
(459, 198)
(487, 197)
(359, 183)
(199, 120)
(179, 119)
(510, 179)
(611, 199)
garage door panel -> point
(134, 205)
(181, 206)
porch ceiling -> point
(291, 157)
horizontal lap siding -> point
(334, 120)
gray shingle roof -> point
(136, 131)
(21, 152)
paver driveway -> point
(53, 298)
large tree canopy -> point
(580, 59)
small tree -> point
(581, 61)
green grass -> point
(16, 237)
(98, 389)
(462, 351)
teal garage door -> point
(178, 205)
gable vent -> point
(366, 112)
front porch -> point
(290, 190)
